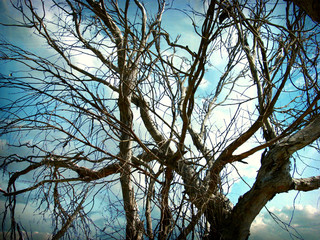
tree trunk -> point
(273, 178)
(311, 7)
(134, 228)
(166, 216)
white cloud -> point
(204, 84)
(299, 222)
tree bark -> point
(306, 184)
(311, 7)
(166, 216)
(273, 178)
(134, 228)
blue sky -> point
(301, 210)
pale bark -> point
(273, 178)
(128, 80)
(306, 184)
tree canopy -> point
(146, 113)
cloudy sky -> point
(291, 215)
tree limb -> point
(306, 184)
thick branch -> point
(311, 7)
(306, 184)
(274, 177)
(281, 136)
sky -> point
(289, 215)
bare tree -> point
(116, 102)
